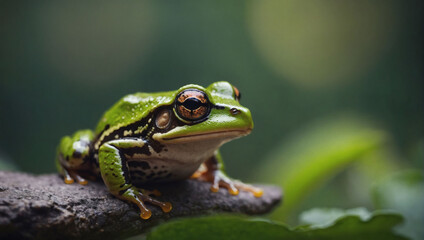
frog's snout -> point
(243, 114)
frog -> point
(156, 138)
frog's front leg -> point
(215, 174)
(72, 156)
(115, 174)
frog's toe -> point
(133, 195)
(81, 180)
(257, 192)
(219, 179)
(230, 187)
(140, 197)
(165, 206)
(145, 213)
(196, 174)
(68, 180)
(200, 172)
(75, 176)
(67, 177)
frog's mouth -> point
(224, 134)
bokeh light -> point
(319, 43)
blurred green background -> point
(335, 87)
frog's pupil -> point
(192, 103)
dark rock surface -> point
(43, 207)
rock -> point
(43, 207)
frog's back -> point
(130, 110)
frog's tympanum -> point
(147, 138)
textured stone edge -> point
(43, 207)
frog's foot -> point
(70, 176)
(140, 197)
(219, 179)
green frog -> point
(148, 138)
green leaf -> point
(316, 154)
(221, 227)
(324, 217)
(376, 226)
(404, 192)
(356, 223)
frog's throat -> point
(223, 134)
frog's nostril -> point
(234, 111)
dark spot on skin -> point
(150, 175)
(137, 172)
(144, 165)
(137, 150)
(137, 181)
(76, 154)
(168, 175)
(113, 174)
(165, 149)
(158, 178)
(156, 146)
(162, 166)
(156, 167)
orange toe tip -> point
(258, 193)
(146, 214)
(84, 182)
(69, 180)
(195, 175)
(214, 189)
(167, 207)
(233, 191)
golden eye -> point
(192, 105)
(237, 94)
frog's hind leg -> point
(115, 174)
(72, 156)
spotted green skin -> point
(129, 125)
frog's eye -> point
(237, 94)
(192, 105)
